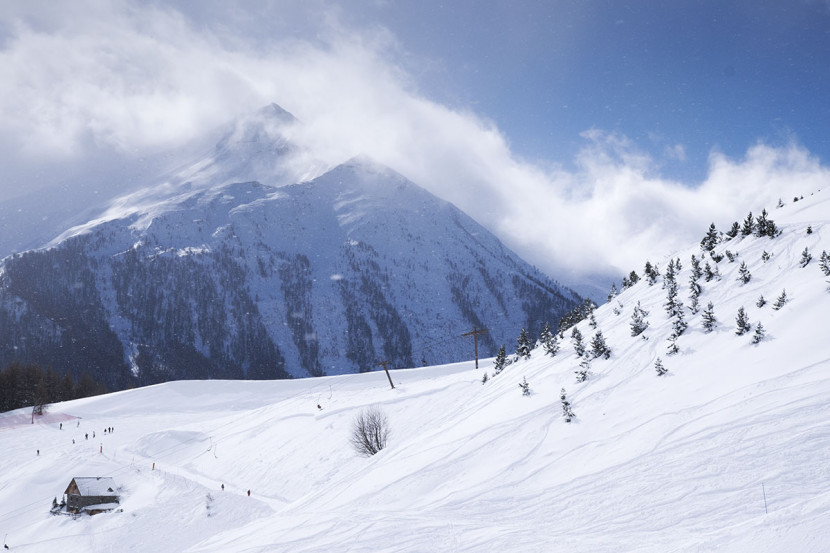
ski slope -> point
(726, 452)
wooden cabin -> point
(91, 495)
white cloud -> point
(142, 78)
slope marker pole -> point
(383, 364)
(474, 333)
(765, 498)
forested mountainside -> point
(211, 278)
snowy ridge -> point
(726, 452)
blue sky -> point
(699, 74)
(586, 134)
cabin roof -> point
(94, 486)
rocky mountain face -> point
(212, 276)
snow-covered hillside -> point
(726, 452)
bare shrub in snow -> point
(370, 431)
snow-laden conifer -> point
(658, 366)
(567, 412)
(709, 319)
(824, 263)
(805, 258)
(583, 371)
(500, 361)
(696, 270)
(708, 274)
(743, 273)
(780, 300)
(549, 341)
(613, 292)
(761, 301)
(672, 348)
(694, 295)
(710, 240)
(578, 344)
(638, 320)
(599, 347)
(523, 345)
(759, 333)
(524, 386)
(748, 226)
(651, 273)
(742, 322)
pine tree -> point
(710, 240)
(651, 273)
(638, 320)
(672, 348)
(583, 371)
(613, 292)
(748, 226)
(599, 348)
(524, 386)
(734, 230)
(765, 256)
(780, 203)
(592, 321)
(678, 323)
(658, 366)
(567, 412)
(780, 301)
(677, 266)
(579, 345)
(707, 272)
(709, 319)
(551, 345)
(761, 223)
(743, 325)
(761, 301)
(523, 345)
(696, 271)
(633, 278)
(824, 263)
(809, 229)
(743, 273)
(805, 258)
(759, 333)
(500, 362)
(484, 378)
(694, 294)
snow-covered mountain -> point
(209, 276)
(725, 452)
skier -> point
(223, 487)
(249, 493)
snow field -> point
(727, 452)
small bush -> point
(370, 431)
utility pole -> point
(383, 364)
(474, 333)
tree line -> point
(31, 386)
